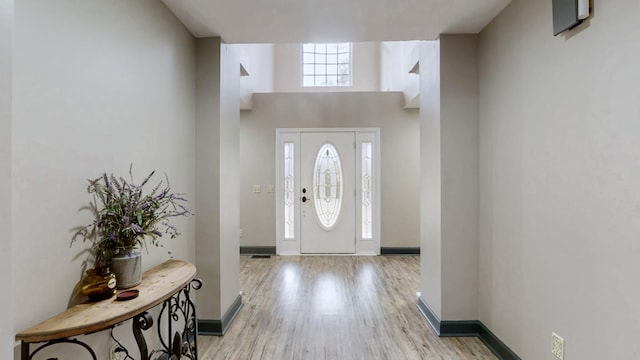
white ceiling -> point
(279, 21)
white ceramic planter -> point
(127, 267)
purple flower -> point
(137, 230)
(126, 215)
(179, 197)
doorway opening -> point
(328, 191)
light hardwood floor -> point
(333, 307)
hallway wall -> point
(449, 176)
(97, 86)
(6, 247)
(559, 175)
(459, 151)
(399, 145)
(217, 176)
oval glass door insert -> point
(327, 186)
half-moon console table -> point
(169, 284)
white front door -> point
(328, 192)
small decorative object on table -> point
(125, 219)
(98, 283)
(127, 295)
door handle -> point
(304, 199)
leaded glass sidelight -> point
(289, 182)
(367, 190)
(327, 186)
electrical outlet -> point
(557, 346)
(117, 353)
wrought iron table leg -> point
(24, 351)
(142, 322)
(180, 307)
(25, 355)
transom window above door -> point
(326, 64)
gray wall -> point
(449, 165)
(431, 176)
(559, 175)
(229, 177)
(6, 266)
(217, 176)
(459, 126)
(97, 86)
(399, 145)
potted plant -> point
(126, 218)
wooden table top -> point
(158, 284)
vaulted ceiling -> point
(279, 21)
